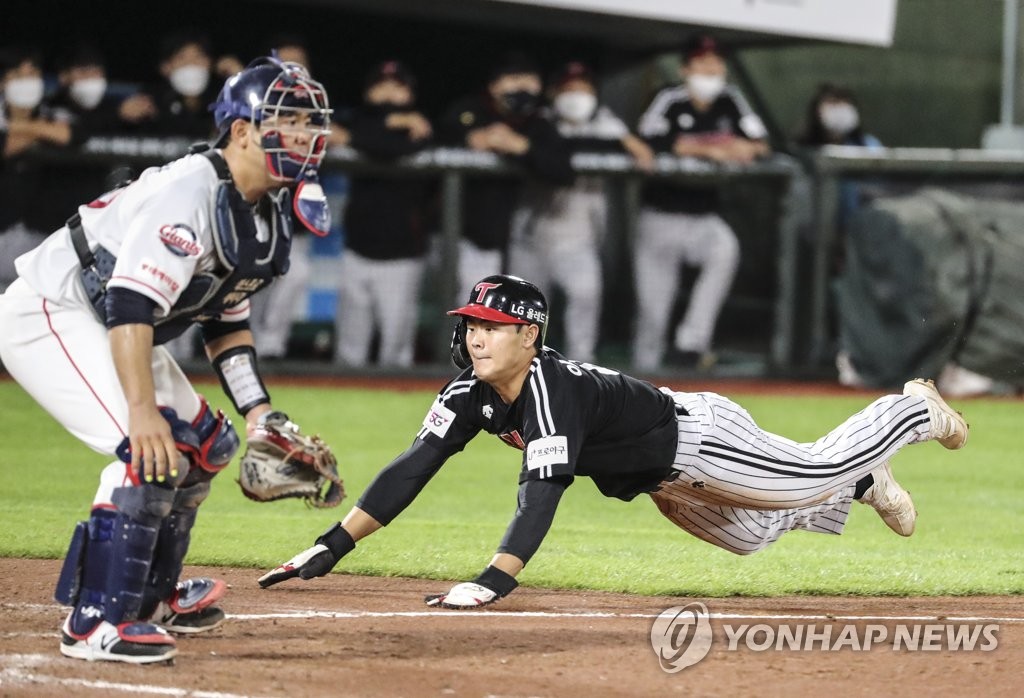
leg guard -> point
(218, 440)
(172, 545)
(83, 579)
(141, 512)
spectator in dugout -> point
(557, 235)
(706, 118)
(504, 119)
(385, 240)
(26, 124)
(180, 106)
(82, 102)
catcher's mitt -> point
(281, 462)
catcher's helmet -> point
(266, 92)
(503, 299)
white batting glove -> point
(463, 596)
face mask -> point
(520, 102)
(839, 119)
(705, 87)
(89, 92)
(575, 106)
(24, 93)
(190, 80)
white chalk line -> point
(16, 674)
(299, 614)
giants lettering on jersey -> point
(543, 453)
(180, 240)
(438, 420)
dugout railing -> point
(451, 167)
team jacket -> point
(489, 202)
(672, 113)
(384, 215)
(570, 419)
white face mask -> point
(576, 106)
(840, 118)
(88, 93)
(24, 93)
(705, 88)
(190, 80)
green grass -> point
(968, 541)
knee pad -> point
(218, 441)
(185, 438)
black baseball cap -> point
(514, 63)
(391, 70)
(700, 45)
(573, 70)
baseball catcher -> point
(280, 462)
(187, 243)
(699, 456)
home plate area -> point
(345, 635)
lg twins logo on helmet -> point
(180, 240)
(482, 288)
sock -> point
(863, 485)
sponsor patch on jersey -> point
(545, 452)
(438, 420)
(153, 276)
(488, 411)
(180, 240)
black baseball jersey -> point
(671, 114)
(570, 419)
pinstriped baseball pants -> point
(740, 488)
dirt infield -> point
(360, 636)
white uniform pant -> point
(665, 242)
(378, 293)
(60, 355)
(274, 309)
(740, 487)
(474, 264)
(558, 248)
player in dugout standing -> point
(708, 467)
(186, 243)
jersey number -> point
(576, 368)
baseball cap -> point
(514, 63)
(506, 299)
(699, 45)
(391, 70)
(573, 70)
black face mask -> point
(520, 102)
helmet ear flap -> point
(460, 354)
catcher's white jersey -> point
(159, 227)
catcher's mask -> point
(283, 101)
(503, 299)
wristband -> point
(337, 540)
(236, 368)
(500, 582)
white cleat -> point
(948, 426)
(892, 502)
(131, 642)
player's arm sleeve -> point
(397, 485)
(372, 137)
(748, 124)
(162, 248)
(538, 500)
(655, 124)
(549, 155)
